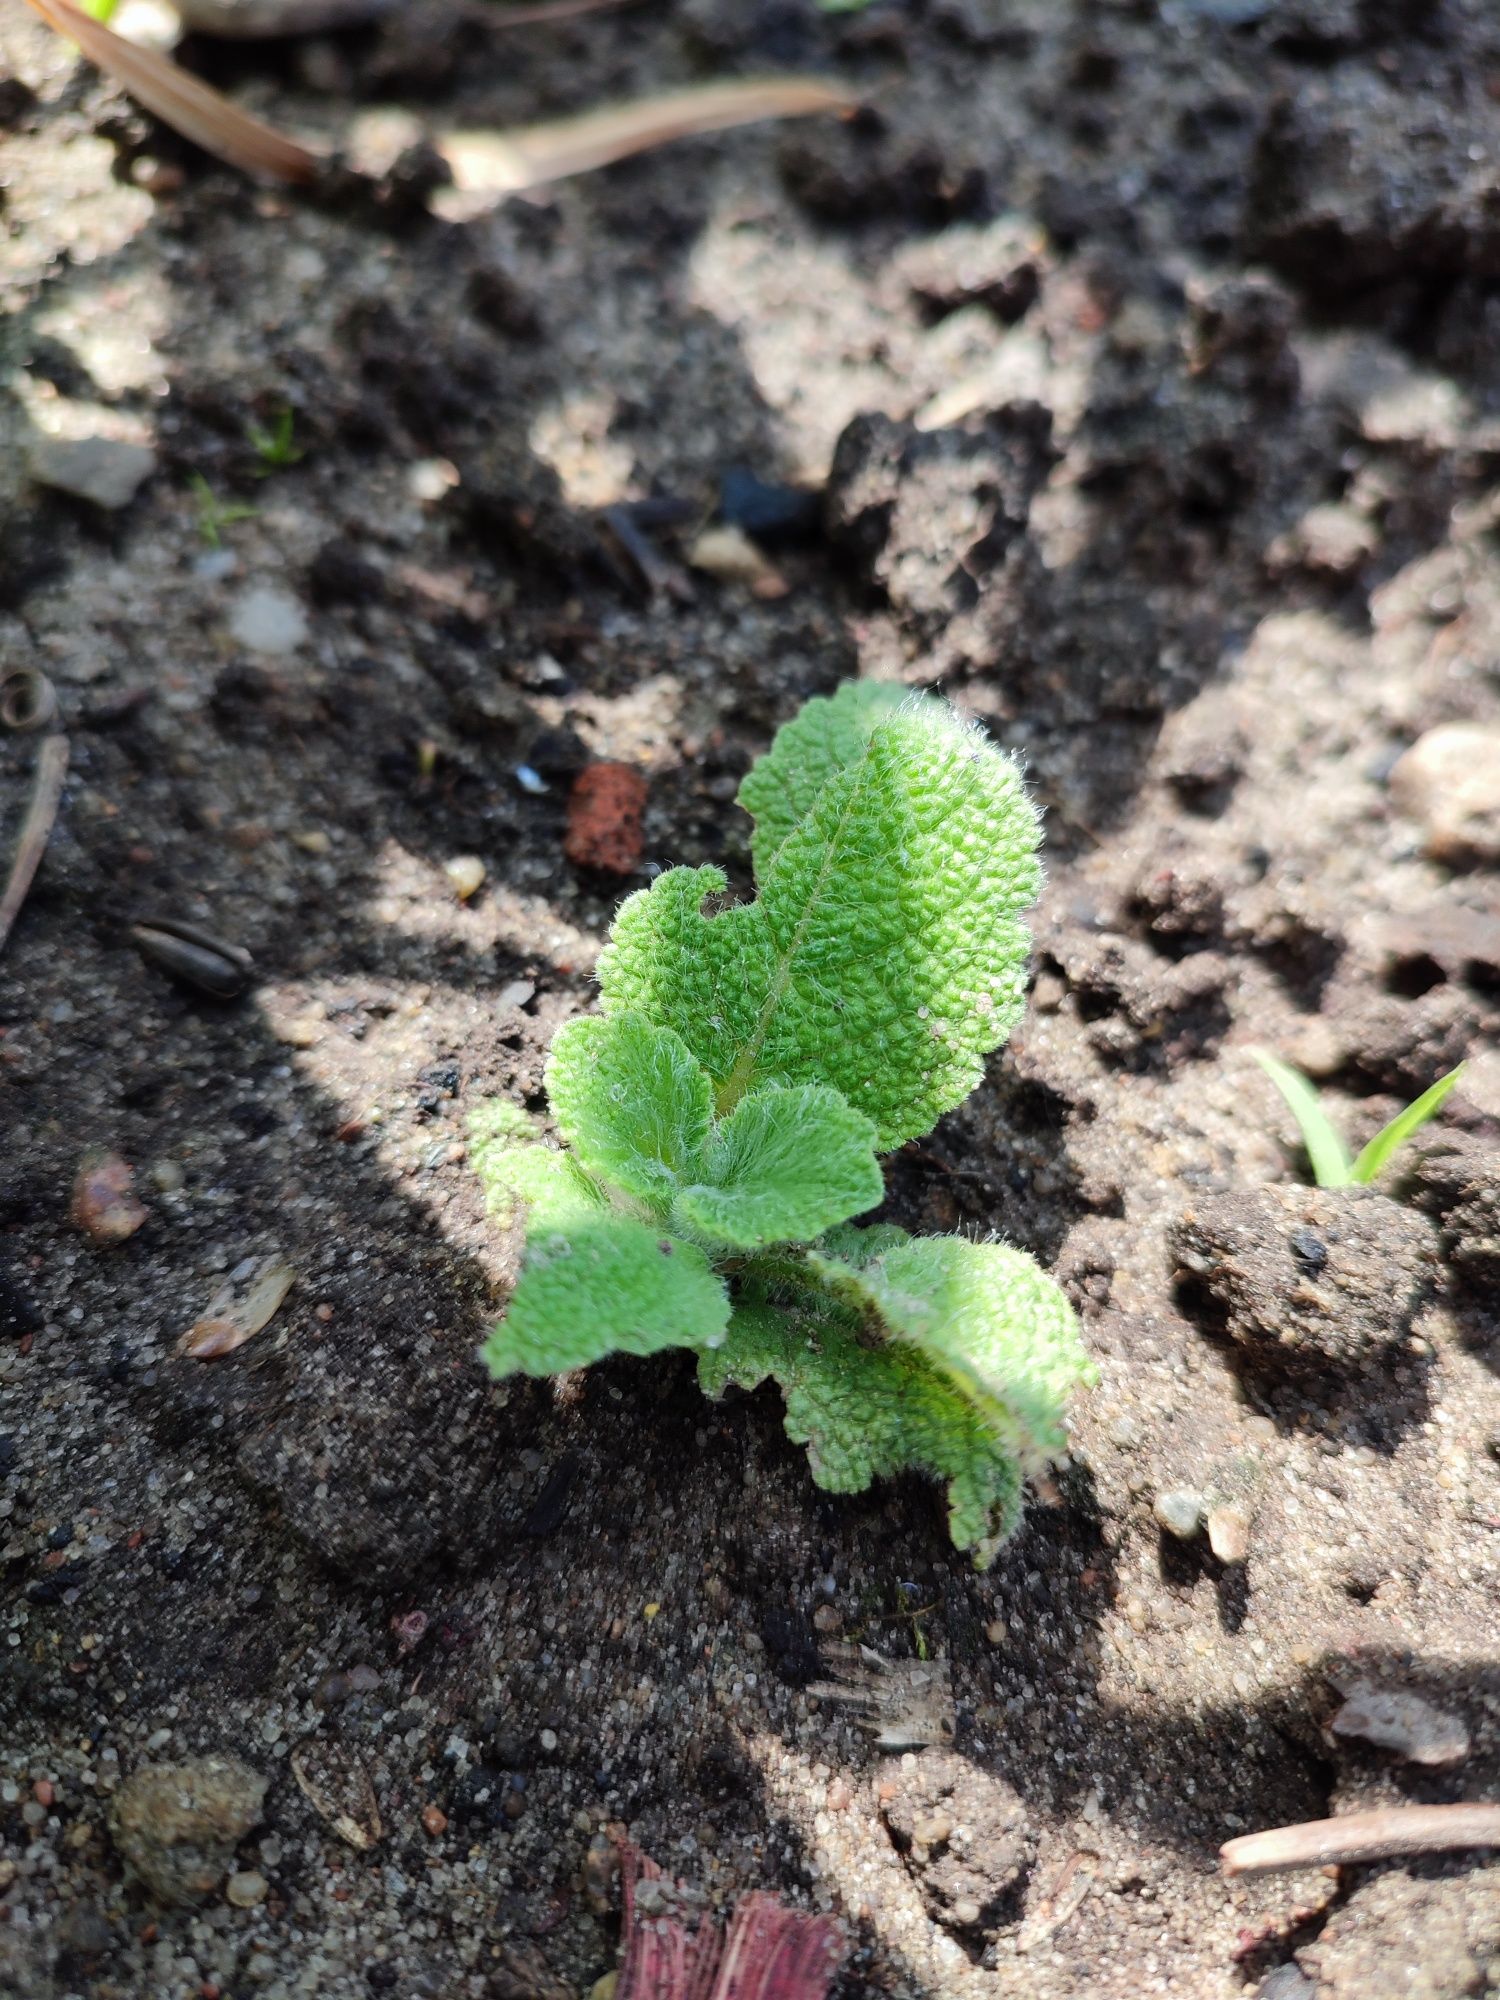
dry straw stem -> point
(182, 100)
(46, 794)
(483, 163)
(501, 163)
(1392, 1833)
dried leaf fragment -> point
(228, 1325)
(337, 1787)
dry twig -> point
(1391, 1833)
(36, 830)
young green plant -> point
(723, 1118)
(1326, 1152)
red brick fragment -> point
(604, 818)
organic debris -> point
(36, 828)
(183, 100)
(337, 1787)
(495, 164)
(768, 1953)
(1391, 1833)
(228, 1324)
(905, 1704)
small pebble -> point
(828, 1618)
(434, 1822)
(246, 1889)
(465, 873)
(267, 620)
(1450, 780)
(548, 1740)
(1180, 1512)
(104, 1207)
(729, 554)
(1405, 1724)
(1228, 1534)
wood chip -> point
(905, 1704)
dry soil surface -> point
(1143, 365)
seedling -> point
(722, 1119)
(214, 514)
(1326, 1151)
(274, 448)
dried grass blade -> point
(46, 795)
(182, 100)
(528, 156)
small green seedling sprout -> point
(1326, 1151)
(214, 514)
(274, 448)
(723, 1118)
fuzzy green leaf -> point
(604, 1284)
(632, 1101)
(519, 1173)
(822, 739)
(885, 953)
(785, 1165)
(868, 1413)
(986, 1316)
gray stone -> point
(1180, 1512)
(107, 471)
(1405, 1724)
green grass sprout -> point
(1329, 1157)
(274, 448)
(214, 515)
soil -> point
(1141, 362)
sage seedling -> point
(723, 1115)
